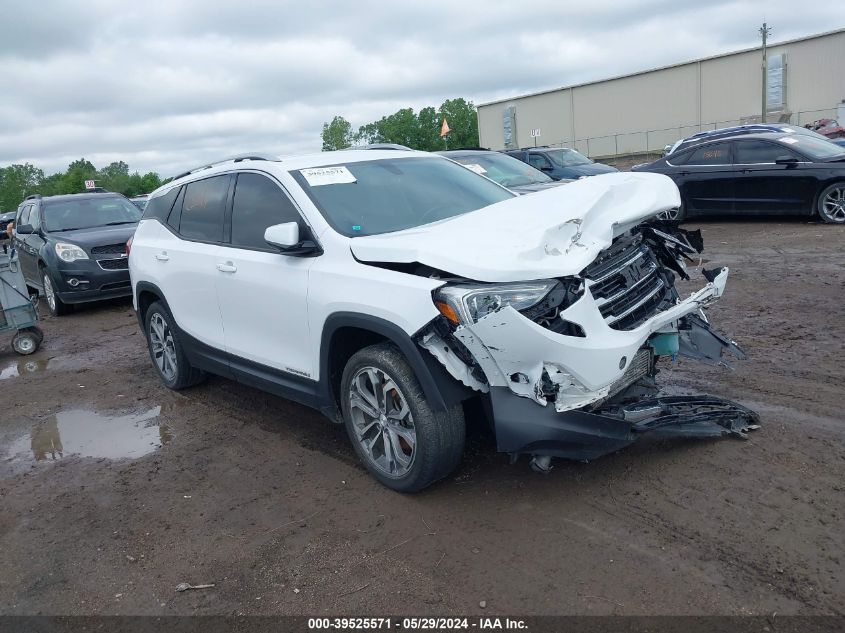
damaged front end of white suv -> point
(557, 307)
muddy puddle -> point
(85, 433)
(26, 366)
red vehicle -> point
(827, 127)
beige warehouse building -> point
(647, 110)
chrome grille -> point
(626, 283)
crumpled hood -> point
(551, 233)
(538, 186)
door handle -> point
(228, 267)
(162, 257)
(683, 173)
(745, 171)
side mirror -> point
(786, 160)
(24, 229)
(282, 236)
(545, 168)
(286, 238)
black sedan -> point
(762, 174)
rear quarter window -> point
(159, 207)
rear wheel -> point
(831, 204)
(56, 305)
(166, 350)
(403, 443)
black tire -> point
(830, 207)
(183, 375)
(25, 342)
(57, 306)
(438, 435)
(38, 332)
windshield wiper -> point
(123, 222)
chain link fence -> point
(633, 147)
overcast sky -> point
(170, 84)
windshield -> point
(817, 148)
(381, 196)
(69, 214)
(505, 170)
(567, 157)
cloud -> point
(167, 85)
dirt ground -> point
(113, 489)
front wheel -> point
(675, 215)
(403, 443)
(831, 204)
(56, 305)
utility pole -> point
(764, 33)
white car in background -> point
(389, 289)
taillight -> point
(129, 245)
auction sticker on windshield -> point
(318, 176)
(478, 169)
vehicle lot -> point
(266, 500)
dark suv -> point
(560, 163)
(72, 248)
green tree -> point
(114, 177)
(77, 173)
(17, 182)
(418, 131)
(463, 122)
(52, 185)
(150, 182)
(337, 134)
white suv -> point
(390, 288)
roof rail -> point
(34, 196)
(237, 158)
(382, 146)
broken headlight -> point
(464, 304)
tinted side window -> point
(202, 209)
(716, 154)
(751, 152)
(35, 217)
(258, 203)
(538, 161)
(159, 207)
(23, 217)
(176, 211)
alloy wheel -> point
(49, 293)
(162, 346)
(382, 420)
(669, 214)
(833, 204)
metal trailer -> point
(17, 310)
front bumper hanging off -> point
(523, 427)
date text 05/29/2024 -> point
(421, 624)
